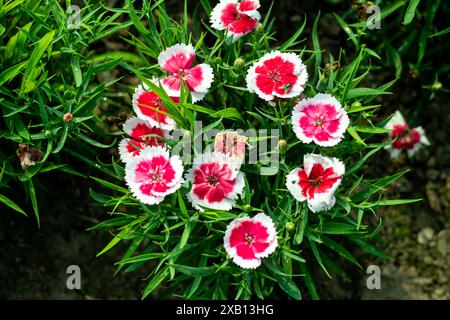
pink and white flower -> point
(277, 74)
(141, 135)
(238, 18)
(178, 60)
(317, 182)
(403, 137)
(320, 119)
(232, 144)
(154, 174)
(148, 106)
(248, 240)
(216, 181)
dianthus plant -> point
(242, 169)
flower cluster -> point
(215, 178)
(403, 137)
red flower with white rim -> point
(248, 240)
(403, 137)
(237, 18)
(232, 144)
(141, 135)
(317, 182)
(178, 61)
(154, 174)
(216, 181)
(277, 74)
(149, 106)
(320, 119)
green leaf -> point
(75, 63)
(195, 271)
(109, 246)
(351, 130)
(317, 53)
(347, 30)
(294, 37)
(142, 258)
(34, 202)
(351, 76)
(11, 204)
(316, 253)
(285, 283)
(155, 282)
(95, 143)
(11, 72)
(396, 202)
(110, 185)
(31, 71)
(410, 11)
(309, 282)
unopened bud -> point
(282, 146)
(68, 117)
(356, 104)
(260, 28)
(239, 63)
(247, 208)
(436, 86)
(290, 226)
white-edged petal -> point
(186, 49)
(397, 119)
(169, 124)
(292, 184)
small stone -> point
(425, 235)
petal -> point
(219, 10)
(199, 78)
(397, 119)
(148, 106)
(292, 184)
(176, 58)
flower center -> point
(236, 15)
(319, 122)
(274, 75)
(156, 176)
(249, 238)
(212, 180)
(158, 102)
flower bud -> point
(239, 63)
(68, 117)
(260, 28)
(436, 86)
(282, 146)
(356, 104)
(290, 226)
(247, 208)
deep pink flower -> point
(320, 119)
(141, 135)
(153, 174)
(232, 144)
(277, 74)
(237, 18)
(247, 240)
(148, 106)
(216, 181)
(403, 137)
(317, 182)
(178, 61)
